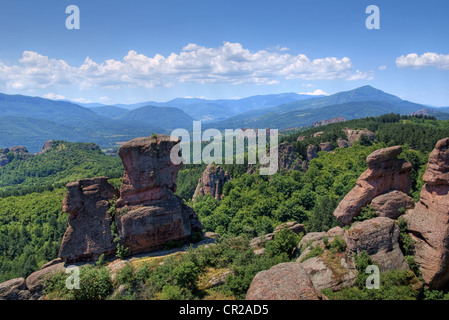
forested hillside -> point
(32, 225)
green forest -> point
(32, 222)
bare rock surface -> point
(428, 222)
(211, 182)
(379, 237)
(355, 135)
(285, 281)
(89, 228)
(150, 175)
(391, 203)
(385, 173)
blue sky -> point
(133, 51)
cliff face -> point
(89, 232)
(211, 182)
(428, 222)
(147, 213)
(385, 173)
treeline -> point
(419, 132)
(64, 162)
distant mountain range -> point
(31, 121)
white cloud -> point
(104, 99)
(428, 59)
(230, 63)
(317, 92)
(382, 68)
(53, 96)
(81, 100)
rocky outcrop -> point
(301, 138)
(385, 173)
(89, 231)
(379, 238)
(328, 121)
(332, 270)
(355, 135)
(311, 153)
(211, 182)
(288, 157)
(3, 158)
(148, 213)
(149, 174)
(151, 226)
(428, 221)
(326, 146)
(285, 281)
(293, 226)
(14, 289)
(392, 204)
(342, 143)
(20, 150)
(47, 146)
(317, 134)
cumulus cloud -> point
(428, 59)
(229, 63)
(317, 92)
(53, 96)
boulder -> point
(36, 281)
(331, 271)
(14, 289)
(317, 134)
(379, 237)
(301, 138)
(390, 204)
(89, 228)
(150, 227)
(285, 281)
(385, 173)
(355, 135)
(211, 182)
(150, 175)
(428, 222)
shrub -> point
(285, 241)
(122, 251)
(186, 274)
(95, 284)
(338, 244)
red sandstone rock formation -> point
(89, 232)
(149, 214)
(211, 182)
(385, 173)
(428, 221)
(285, 281)
(391, 203)
(149, 173)
(379, 238)
(355, 135)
